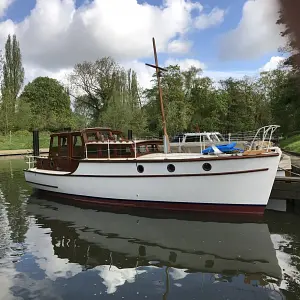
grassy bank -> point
(22, 140)
(291, 143)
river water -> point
(50, 250)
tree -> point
(97, 81)
(208, 106)
(177, 108)
(49, 103)
(109, 95)
(12, 81)
(288, 16)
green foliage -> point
(177, 109)
(109, 96)
(12, 82)
(22, 139)
(291, 143)
(49, 104)
(197, 103)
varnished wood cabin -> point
(68, 148)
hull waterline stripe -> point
(147, 176)
(177, 206)
(45, 185)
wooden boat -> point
(98, 165)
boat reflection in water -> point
(169, 257)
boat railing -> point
(124, 149)
(30, 160)
(263, 137)
(244, 136)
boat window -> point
(77, 141)
(63, 145)
(140, 169)
(206, 167)
(152, 148)
(123, 150)
(142, 149)
(192, 139)
(220, 137)
(54, 146)
(104, 135)
(214, 138)
(92, 136)
(77, 146)
(171, 168)
(196, 139)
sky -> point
(222, 37)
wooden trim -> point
(45, 185)
(165, 205)
(130, 160)
(147, 176)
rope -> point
(297, 174)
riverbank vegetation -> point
(22, 139)
(102, 93)
(291, 143)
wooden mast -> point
(158, 75)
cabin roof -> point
(97, 128)
(90, 129)
(125, 142)
(200, 133)
(64, 133)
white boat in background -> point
(196, 142)
(100, 166)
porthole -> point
(52, 164)
(206, 167)
(42, 163)
(171, 168)
(140, 168)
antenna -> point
(158, 75)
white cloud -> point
(221, 75)
(114, 277)
(186, 63)
(4, 4)
(52, 43)
(144, 73)
(179, 46)
(272, 64)
(284, 259)
(32, 72)
(57, 35)
(256, 34)
(178, 274)
(39, 244)
(214, 18)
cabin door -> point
(64, 155)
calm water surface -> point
(50, 250)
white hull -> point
(245, 182)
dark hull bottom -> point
(216, 208)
